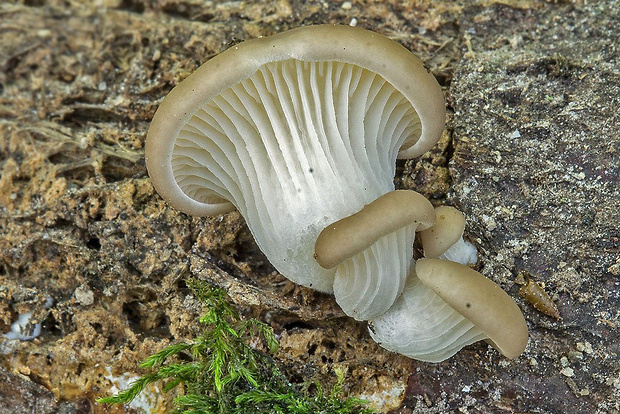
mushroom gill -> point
(422, 326)
(294, 147)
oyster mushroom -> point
(301, 136)
(295, 134)
(446, 306)
(369, 248)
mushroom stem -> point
(462, 252)
(347, 237)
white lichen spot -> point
(496, 395)
(386, 397)
(84, 296)
(614, 269)
(489, 222)
(498, 156)
(575, 355)
(567, 372)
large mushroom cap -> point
(211, 102)
(480, 300)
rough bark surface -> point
(86, 245)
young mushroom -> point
(477, 307)
(444, 240)
(446, 306)
(370, 247)
(301, 136)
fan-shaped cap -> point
(364, 49)
(478, 299)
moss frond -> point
(226, 375)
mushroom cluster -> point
(302, 136)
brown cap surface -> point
(447, 230)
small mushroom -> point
(446, 306)
(444, 239)
(372, 263)
(351, 235)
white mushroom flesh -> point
(462, 252)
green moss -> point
(221, 373)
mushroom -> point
(446, 306)
(300, 132)
(296, 134)
(370, 247)
(444, 239)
